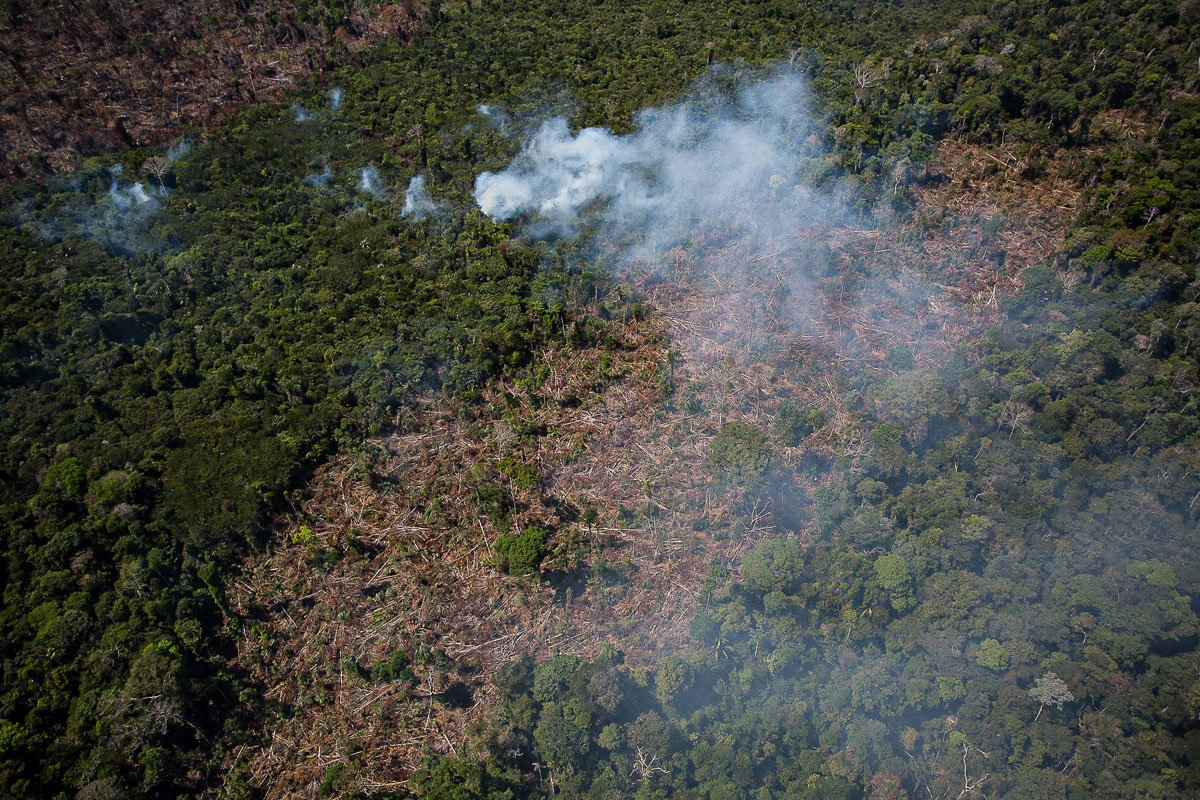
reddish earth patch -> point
(84, 78)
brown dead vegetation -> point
(84, 78)
(398, 541)
(619, 482)
(1031, 201)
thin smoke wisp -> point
(496, 117)
(417, 203)
(370, 181)
(179, 150)
(322, 179)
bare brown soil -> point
(397, 547)
(79, 79)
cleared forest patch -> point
(395, 549)
(81, 79)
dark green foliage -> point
(446, 779)
(394, 668)
(523, 476)
(797, 420)
(521, 553)
(774, 565)
(739, 455)
(332, 780)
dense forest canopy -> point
(948, 537)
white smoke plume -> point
(725, 194)
(417, 203)
(130, 196)
(728, 156)
(336, 95)
(371, 182)
(302, 115)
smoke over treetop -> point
(717, 153)
(417, 202)
(710, 192)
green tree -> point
(892, 573)
(739, 455)
(774, 564)
(991, 654)
(521, 553)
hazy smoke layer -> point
(721, 153)
(336, 95)
(417, 203)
